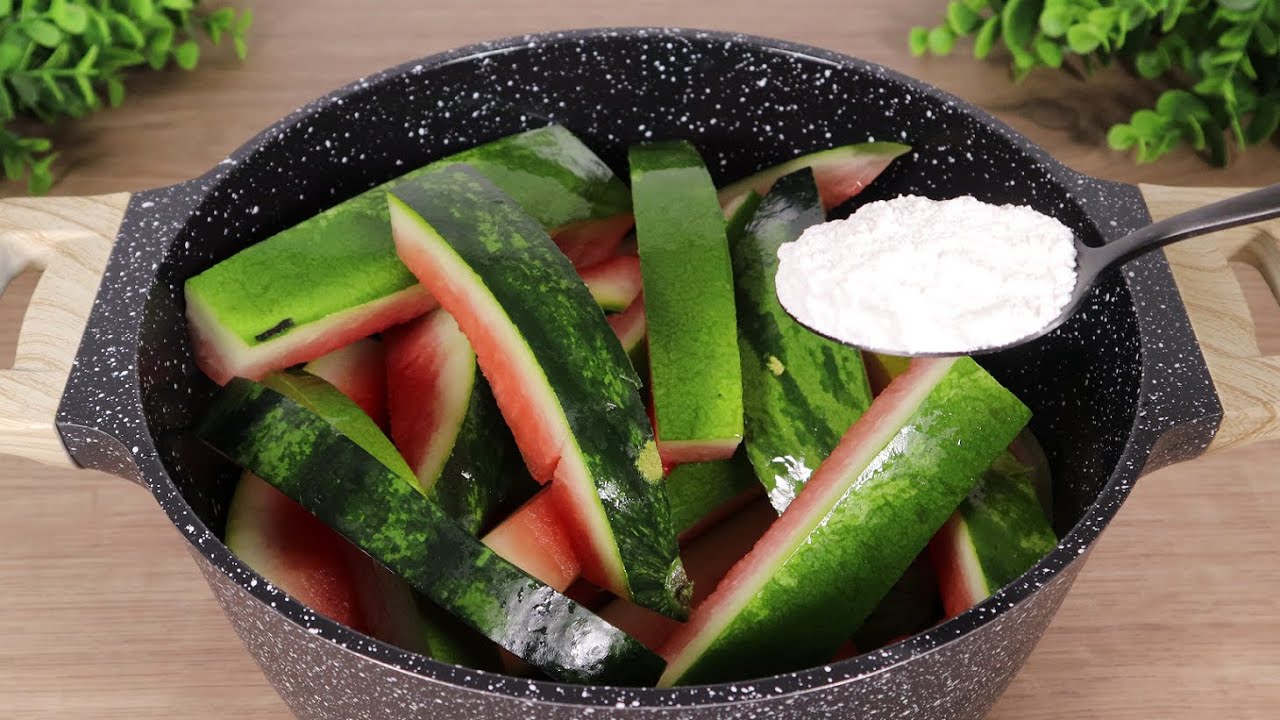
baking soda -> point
(912, 275)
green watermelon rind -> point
(480, 253)
(1005, 524)
(694, 372)
(888, 494)
(343, 259)
(801, 391)
(309, 456)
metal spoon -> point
(1091, 262)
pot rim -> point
(1072, 547)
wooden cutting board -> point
(104, 616)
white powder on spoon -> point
(913, 275)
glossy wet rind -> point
(343, 258)
(866, 514)
(565, 358)
(314, 460)
(801, 391)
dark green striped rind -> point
(579, 356)
(343, 257)
(305, 455)
(484, 474)
(697, 489)
(407, 619)
(838, 572)
(688, 296)
(1006, 523)
(800, 391)
(912, 605)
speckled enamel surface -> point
(1119, 390)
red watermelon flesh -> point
(534, 539)
(359, 372)
(222, 356)
(293, 550)
(614, 283)
(840, 173)
(431, 366)
(707, 560)
(588, 242)
(630, 327)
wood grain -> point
(68, 239)
(1175, 616)
(1247, 382)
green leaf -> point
(1049, 52)
(1104, 18)
(1151, 64)
(243, 22)
(1238, 130)
(7, 110)
(1238, 5)
(1195, 132)
(1180, 104)
(117, 57)
(187, 55)
(1236, 38)
(15, 165)
(1054, 21)
(28, 91)
(115, 91)
(58, 57)
(961, 19)
(223, 18)
(1148, 123)
(1266, 37)
(1172, 13)
(1018, 21)
(6, 8)
(1121, 137)
(142, 9)
(43, 32)
(41, 178)
(129, 31)
(941, 41)
(179, 5)
(10, 56)
(1083, 39)
(1023, 63)
(242, 48)
(55, 87)
(86, 90)
(71, 18)
(87, 63)
(1264, 122)
(986, 38)
(919, 41)
(159, 45)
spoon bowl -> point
(1091, 262)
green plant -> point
(1221, 59)
(59, 58)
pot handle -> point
(70, 239)
(1248, 383)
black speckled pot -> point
(1139, 396)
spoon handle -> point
(1251, 207)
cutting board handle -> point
(1248, 383)
(69, 238)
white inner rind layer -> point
(226, 355)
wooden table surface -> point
(104, 616)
